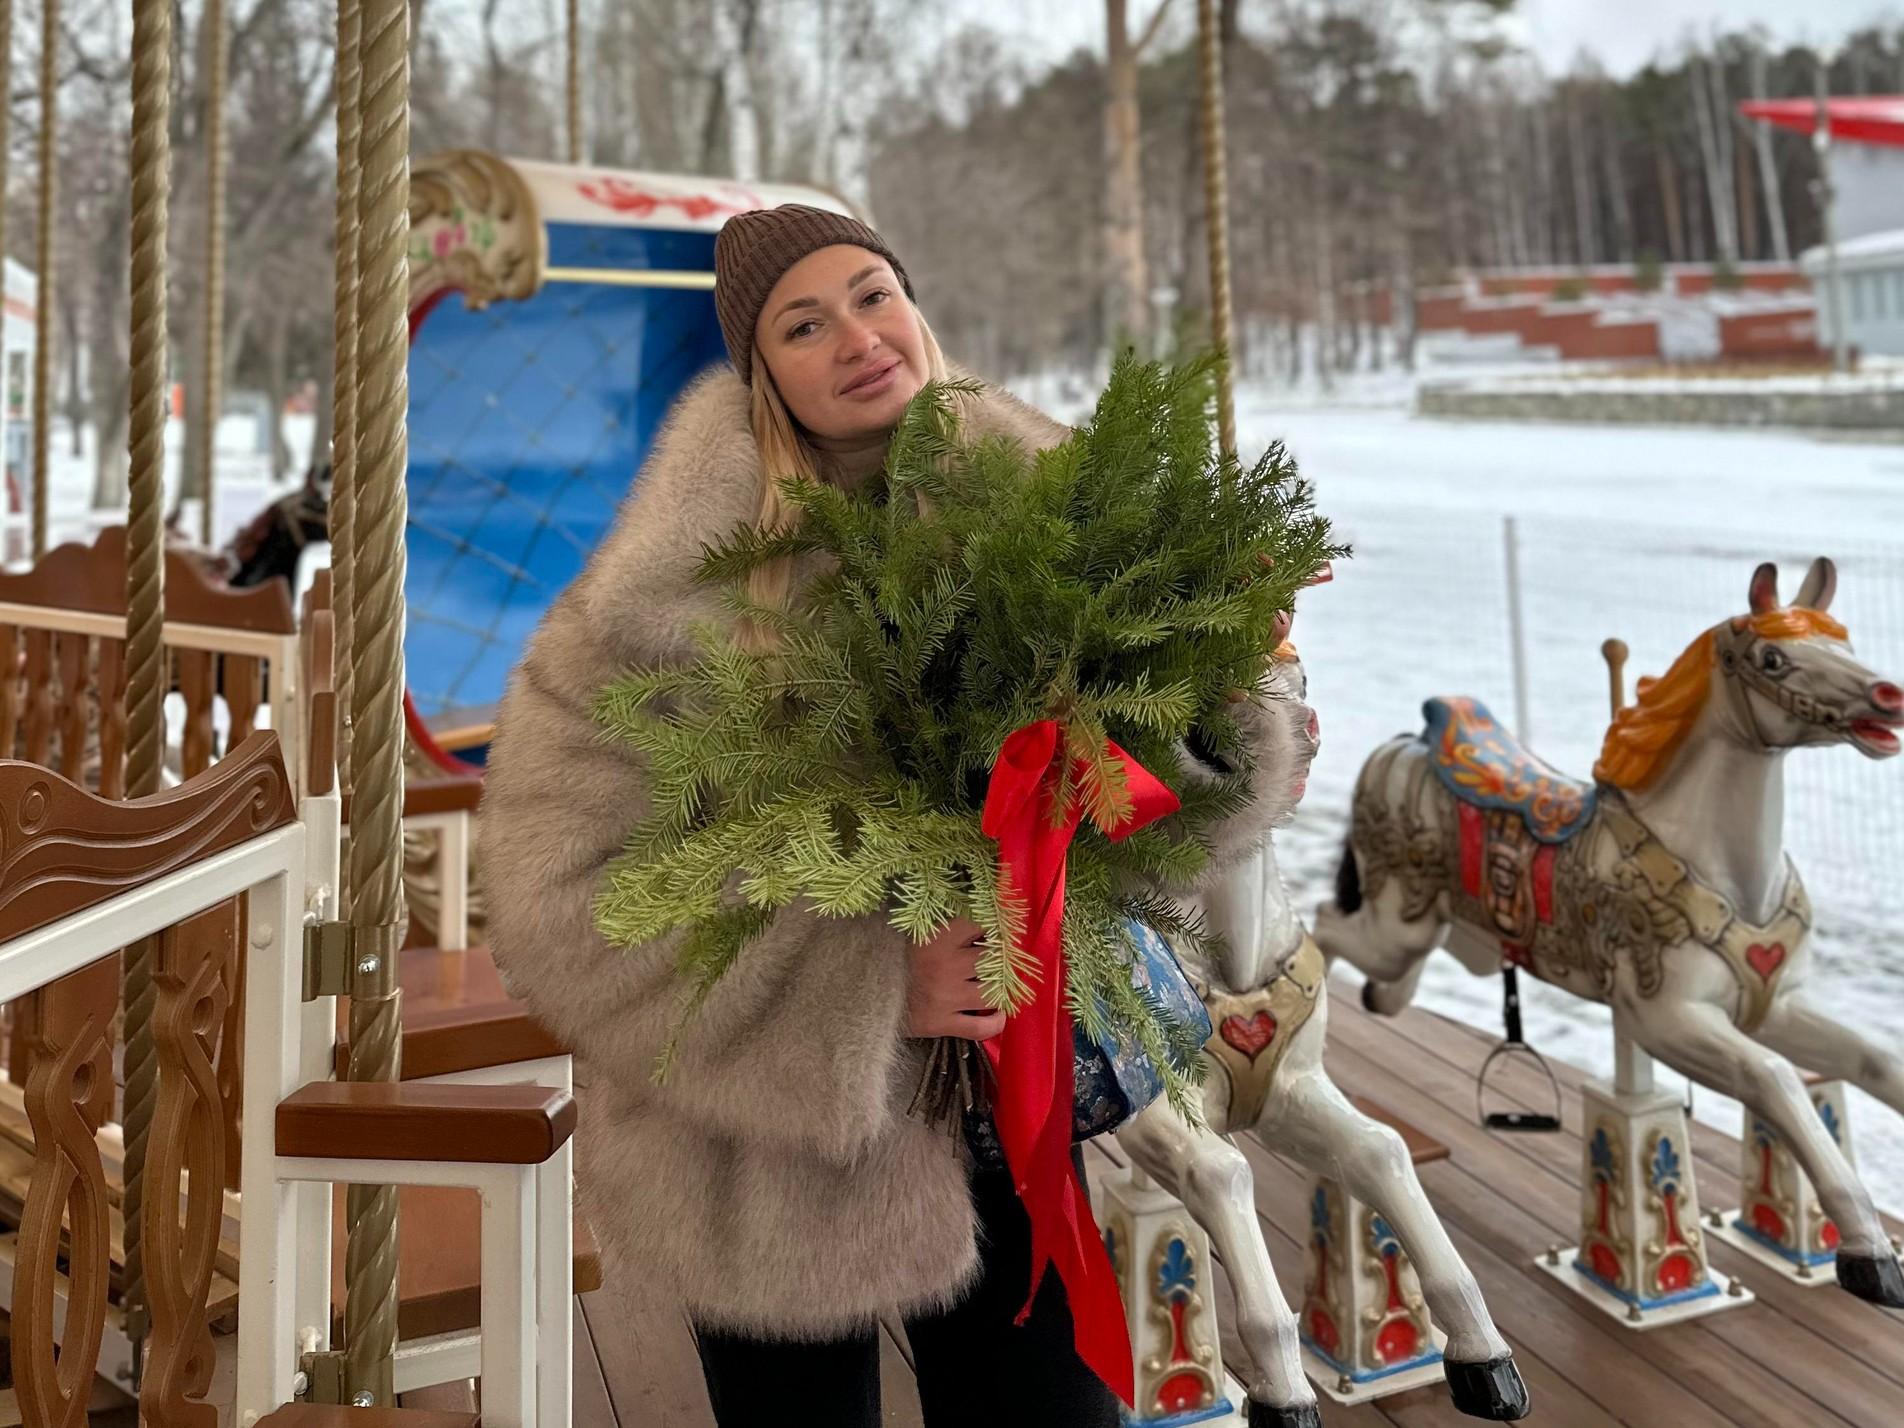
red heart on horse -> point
(1250, 1035)
(1765, 960)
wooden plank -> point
(648, 1362)
(1832, 1322)
(1517, 1208)
(592, 1407)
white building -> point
(1871, 275)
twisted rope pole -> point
(376, 833)
(1216, 200)
(344, 387)
(575, 81)
(212, 381)
(43, 302)
(145, 581)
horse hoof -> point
(1876, 1278)
(1301, 1415)
(1491, 1390)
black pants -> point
(974, 1366)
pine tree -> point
(1123, 582)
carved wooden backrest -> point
(64, 850)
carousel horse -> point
(1266, 995)
(1662, 888)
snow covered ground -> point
(1648, 534)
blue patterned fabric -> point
(1115, 1079)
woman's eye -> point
(876, 295)
(801, 329)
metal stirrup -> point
(1511, 1015)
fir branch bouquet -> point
(1123, 583)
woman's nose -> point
(857, 339)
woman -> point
(775, 1185)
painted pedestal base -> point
(1642, 1252)
(1779, 1222)
(1365, 1329)
(1162, 1259)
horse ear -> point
(1764, 589)
(1821, 583)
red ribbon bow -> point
(1033, 1055)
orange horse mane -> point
(1643, 737)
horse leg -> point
(1371, 935)
(1697, 1039)
(1213, 1180)
(1795, 1027)
(1315, 1124)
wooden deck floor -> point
(1798, 1358)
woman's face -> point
(842, 343)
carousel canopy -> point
(1868, 119)
(555, 314)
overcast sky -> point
(1622, 33)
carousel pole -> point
(145, 585)
(212, 380)
(43, 301)
(575, 81)
(344, 388)
(1216, 199)
(376, 842)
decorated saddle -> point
(1482, 764)
(1114, 1078)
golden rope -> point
(344, 388)
(145, 578)
(1217, 203)
(376, 832)
(212, 381)
(575, 81)
(43, 300)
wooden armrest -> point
(421, 796)
(486, 1125)
(338, 1415)
(1422, 1147)
(440, 1040)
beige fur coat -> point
(774, 1184)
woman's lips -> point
(872, 383)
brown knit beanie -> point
(754, 249)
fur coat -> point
(774, 1185)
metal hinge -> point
(323, 1375)
(342, 959)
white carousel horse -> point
(1662, 889)
(1270, 981)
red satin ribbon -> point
(1033, 1055)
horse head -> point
(1783, 675)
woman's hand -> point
(942, 995)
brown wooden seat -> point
(337, 1415)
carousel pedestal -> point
(1162, 1259)
(1642, 1253)
(1365, 1327)
(1779, 1222)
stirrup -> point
(1509, 1045)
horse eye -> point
(1772, 658)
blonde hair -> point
(786, 454)
(1645, 734)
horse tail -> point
(1348, 880)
